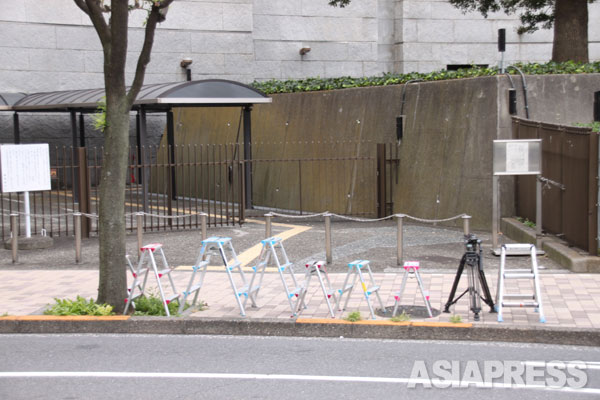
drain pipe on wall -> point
(400, 119)
(524, 87)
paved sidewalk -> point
(570, 300)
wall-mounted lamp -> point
(399, 128)
(304, 50)
(185, 63)
(512, 101)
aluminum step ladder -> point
(146, 264)
(411, 269)
(273, 250)
(319, 269)
(527, 300)
(355, 271)
(223, 249)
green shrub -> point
(354, 316)
(79, 306)
(152, 305)
(401, 318)
(316, 84)
(456, 319)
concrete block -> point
(172, 42)
(28, 81)
(237, 17)
(222, 42)
(406, 31)
(55, 12)
(77, 38)
(56, 60)
(539, 36)
(417, 9)
(435, 31)
(386, 8)
(450, 53)
(385, 53)
(376, 68)
(195, 16)
(238, 64)
(14, 59)
(429, 66)
(474, 31)
(94, 61)
(27, 36)
(314, 29)
(343, 68)
(302, 69)
(277, 7)
(418, 51)
(79, 80)
(362, 52)
(333, 51)
(268, 50)
(13, 11)
(385, 30)
(540, 52)
(209, 64)
(266, 70)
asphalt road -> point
(226, 367)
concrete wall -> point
(446, 153)
(51, 45)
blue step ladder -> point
(223, 249)
(273, 251)
(355, 271)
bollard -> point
(77, 224)
(14, 228)
(140, 231)
(268, 225)
(400, 238)
(328, 238)
(466, 220)
(203, 225)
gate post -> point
(381, 189)
(83, 191)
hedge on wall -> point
(315, 84)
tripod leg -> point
(487, 296)
(455, 284)
(474, 296)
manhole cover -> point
(413, 311)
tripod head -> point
(472, 244)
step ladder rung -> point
(163, 272)
(510, 275)
(283, 267)
(172, 297)
(373, 289)
(254, 289)
(194, 288)
(522, 270)
(518, 304)
(296, 291)
(201, 264)
(233, 266)
(519, 296)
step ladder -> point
(146, 264)
(318, 268)
(411, 269)
(355, 271)
(223, 249)
(273, 250)
(528, 300)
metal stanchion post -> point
(203, 225)
(328, 238)
(400, 238)
(14, 227)
(466, 219)
(139, 221)
(268, 225)
(77, 223)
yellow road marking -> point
(65, 318)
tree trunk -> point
(570, 31)
(113, 275)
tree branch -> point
(94, 10)
(154, 18)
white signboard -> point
(517, 157)
(25, 167)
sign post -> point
(516, 157)
(25, 168)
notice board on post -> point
(24, 167)
(518, 157)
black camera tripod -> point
(473, 260)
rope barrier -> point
(433, 221)
(298, 216)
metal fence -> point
(569, 173)
(348, 178)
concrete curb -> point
(274, 327)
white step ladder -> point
(273, 250)
(411, 268)
(529, 300)
(146, 263)
(318, 268)
(355, 270)
(221, 247)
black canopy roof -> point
(159, 96)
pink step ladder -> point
(318, 268)
(411, 269)
(146, 264)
